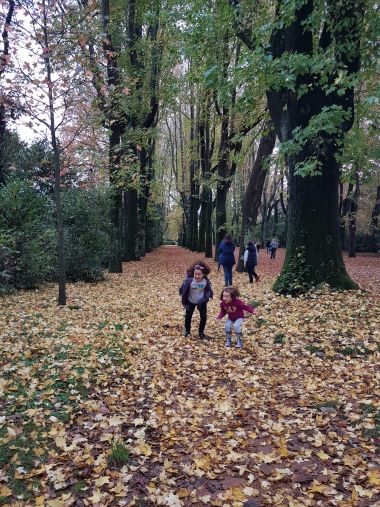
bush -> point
(365, 243)
(86, 226)
(28, 236)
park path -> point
(285, 421)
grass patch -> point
(261, 322)
(279, 338)
(354, 351)
(328, 404)
(314, 349)
(119, 454)
(79, 487)
(255, 303)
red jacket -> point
(234, 310)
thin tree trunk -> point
(116, 130)
(57, 170)
(253, 193)
(3, 65)
(352, 216)
(374, 230)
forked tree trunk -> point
(252, 195)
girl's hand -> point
(255, 311)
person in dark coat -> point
(226, 258)
(250, 261)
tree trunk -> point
(57, 171)
(313, 252)
(253, 193)
(131, 246)
(374, 230)
(352, 216)
(3, 65)
(116, 131)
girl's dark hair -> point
(234, 291)
(205, 268)
(227, 238)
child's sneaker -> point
(202, 336)
(228, 341)
(185, 333)
(239, 343)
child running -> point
(195, 292)
(234, 307)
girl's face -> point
(227, 298)
(198, 275)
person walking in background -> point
(273, 248)
(250, 261)
(196, 291)
(226, 258)
(267, 245)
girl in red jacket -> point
(234, 307)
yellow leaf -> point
(5, 491)
(374, 478)
(322, 455)
(317, 488)
(183, 493)
(96, 497)
(101, 481)
(144, 449)
(203, 463)
(283, 450)
(363, 492)
(56, 503)
(60, 442)
(40, 501)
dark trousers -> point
(273, 253)
(227, 275)
(251, 273)
(190, 307)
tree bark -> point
(57, 169)
(374, 229)
(3, 65)
(253, 193)
(313, 252)
(116, 130)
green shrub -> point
(86, 229)
(365, 243)
(26, 223)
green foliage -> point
(365, 243)
(86, 228)
(295, 279)
(326, 123)
(26, 223)
(119, 455)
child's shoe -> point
(239, 342)
(228, 341)
(185, 333)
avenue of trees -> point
(160, 120)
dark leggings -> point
(251, 273)
(190, 307)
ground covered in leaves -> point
(103, 402)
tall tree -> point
(252, 196)
(312, 107)
(4, 61)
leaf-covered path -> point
(103, 402)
